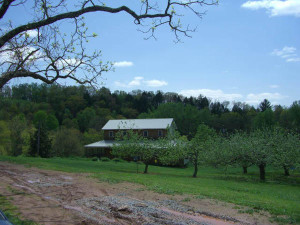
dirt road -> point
(51, 197)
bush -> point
(118, 160)
(105, 159)
(95, 159)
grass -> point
(279, 195)
(11, 211)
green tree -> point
(134, 146)
(261, 149)
(286, 150)
(51, 122)
(85, 117)
(5, 142)
(17, 127)
(264, 105)
(240, 150)
(264, 119)
(67, 142)
(40, 143)
(199, 146)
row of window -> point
(145, 133)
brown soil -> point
(51, 197)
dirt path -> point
(51, 197)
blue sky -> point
(242, 51)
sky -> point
(241, 51)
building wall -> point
(152, 133)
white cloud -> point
(274, 86)
(257, 98)
(119, 84)
(293, 59)
(287, 53)
(284, 52)
(214, 94)
(276, 7)
(155, 83)
(8, 55)
(32, 33)
(123, 64)
(138, 81)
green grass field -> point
(279, 195)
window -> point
(160, 133)
(124, 133)
(145, 133)
(111, 134)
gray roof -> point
(101, 144)
(138, 124)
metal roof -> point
(138, 124)
(101, 144)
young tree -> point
(40, 49)
(199, 146)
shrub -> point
(118, 160)
(105, 159)
(95, 159)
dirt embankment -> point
(50, 197)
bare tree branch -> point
(39, 50)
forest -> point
(64, 118)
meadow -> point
(279, 195)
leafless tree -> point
(39, 48)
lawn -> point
(279, 195)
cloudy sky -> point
(242, 51)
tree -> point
(40, 49)
(84, 118)
(261, 149)
(264, 119)
(17, 126)
(133, 145)
(286, 150)
(199, 146)
(240, 151)
(67, 143)
(5, 143)
(40, 144)
(264, 105)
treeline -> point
(80, 112)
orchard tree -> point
(131, 145)
(199, 146)
(287, 150)
(261, 149)
(39, 48)
(240, 150)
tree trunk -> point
(195, 170)
(146, 168)
(262, 172)
(245, 169)
(286, 171)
